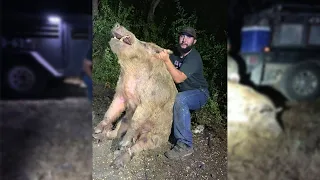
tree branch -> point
(154, 4)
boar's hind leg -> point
(116, 108)
(146, 141)
(140, 116)
(125, 123)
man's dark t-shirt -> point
(192, 66)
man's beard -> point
(184, 50)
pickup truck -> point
(38, 48)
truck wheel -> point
(23, 78)
(302, 82)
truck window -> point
(314, 36)
(290, 34)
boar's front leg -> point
(117, 106)
(120, 129)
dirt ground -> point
(294, 155)
(51, 140)
(46, 139)
(209, 160)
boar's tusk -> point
(123, 37)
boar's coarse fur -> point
(145, 91)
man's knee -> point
(180, 99)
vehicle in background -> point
(39, 48)
(281, 48)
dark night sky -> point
(35, 6)
(214, 18)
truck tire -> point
(22, 77)
(302, 82)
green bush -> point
(163, 33)
(106, 67)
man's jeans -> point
(88, 81)
(186, 101)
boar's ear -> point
(153, 48)
(169, 51)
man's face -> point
(186, 41)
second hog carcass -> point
(252, 118)
(145, 91)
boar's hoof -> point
(98, 137)
(121, 161)
(102, 127)
(103, 136)
(98, 129)
(124, 143)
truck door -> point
(78, 39)
(37, 33)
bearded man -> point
(186, 69)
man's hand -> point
(87, 67)
(177, 76)
(163, 55)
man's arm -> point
(87, 67)
(87, 63)
(177, 75)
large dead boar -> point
(251, 115)
(145, 91)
